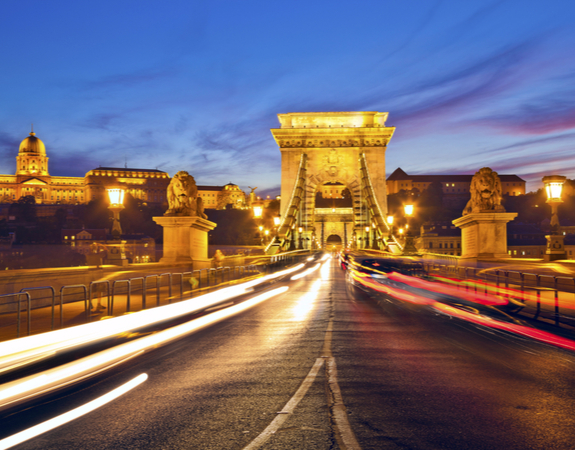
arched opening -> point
(333, 194)
(333, 243)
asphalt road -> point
(389, 376)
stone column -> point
(484, 234)
(186, 240)
(555, 247)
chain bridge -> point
(333, 190)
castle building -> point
(149, 185)
(451, 184)
(33, 178)
(219, 197)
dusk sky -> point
(197, 85)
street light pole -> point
(555, 240)
(367, 237)
(116, 196)
(117, 252)
(409, 248)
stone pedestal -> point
(117, 253)
(484, 234)
(555, 247)
(186, 239)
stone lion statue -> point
(485, 193)
(183, 197)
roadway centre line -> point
(338, 415)
(287, 409)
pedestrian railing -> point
(81, 304)
(537, 296)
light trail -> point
(306, 272)
(62, 375)
(62, 419)
(18, 352)
(453, 311)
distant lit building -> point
(148, 185)
(451, 184)
(32, 178)
(440, 238)
(138, 248)
(219, 197)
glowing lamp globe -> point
(554, 187)
(116, 195)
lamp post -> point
(116, 196)
(367, 237)
(555, 240)
(409, 248)
(258, 211)
(117, 252)
(300, 230)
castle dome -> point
(32, 145)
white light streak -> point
(18, 352)
(305, 272)
(58, 376)
(57, 421)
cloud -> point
(102, 121)
(130, 79)
(478, 81)
(8, 146)
(533, 142)
(544, 115)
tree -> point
(24, 209)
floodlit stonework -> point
(484, 222)
(333, 142)
(33, 178)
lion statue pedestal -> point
(484, 235)
(186, 240)
(484, 221)
(185, 225)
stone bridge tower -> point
(333, 148)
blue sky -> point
(196, 85)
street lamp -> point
(409, 248)
(258, 210)
(300, 230)
(375, 238)
(389, 228)
(367, 236)
(116, 196)
(555, 240)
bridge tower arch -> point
(332, 147)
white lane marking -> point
(338, 410)
(345, 435)
(287, 409)
(338, 414)
(57, 421)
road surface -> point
(325, 366)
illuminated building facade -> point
(33, 178)
(451, 184)
(219, 197)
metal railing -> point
(517, 285)
(80, 300)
